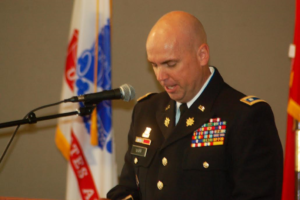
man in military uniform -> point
(200, 139)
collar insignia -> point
(202, 108)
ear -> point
(203, 54)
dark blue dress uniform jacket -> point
(247, 166)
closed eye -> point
(171, 63)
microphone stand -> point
(87, 110)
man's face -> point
(177, 68)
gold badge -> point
(146, 133)
(168, 107)
(202, 108)
(167, 121)
(190, 121)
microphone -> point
(125, 92)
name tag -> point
(138, 150)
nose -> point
(161, 74)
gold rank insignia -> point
(146, 133)
(190, 121)
(202, 108)
(168, 107)
(167, 121)
(251, 100)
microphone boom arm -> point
(87, 110)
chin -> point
(175, 97)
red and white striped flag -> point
(87, 142)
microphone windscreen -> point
(127, 92)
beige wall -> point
(248, 42)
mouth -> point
(170, 89)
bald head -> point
(178, 27)
(177, 49)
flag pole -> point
(94, 123)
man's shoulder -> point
(229, 97)
(146, 96)
(153, 96)
(235, 105)
(241, 100)
(151, 102)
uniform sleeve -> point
(256, 157)
(127, 188)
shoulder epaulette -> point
(251, 100)
(145, 96)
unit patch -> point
(146, 133)
(251, 100)
(210, 134)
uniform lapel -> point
(197, 116)
(166, 118)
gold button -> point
(136, 160)
(205, 165)
(160, 185)
(164, 161)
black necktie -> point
(183, 107)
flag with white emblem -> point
(87, 142)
